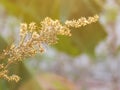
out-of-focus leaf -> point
(3, 44)
(111, 15)
(65, 44)
(48, 82)
(117, 1)
(95, 6)
(30, 85)
(83, 40)
(3, 85)
(33, 10)
(20, 70)
(80, 8)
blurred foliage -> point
(3, 44)
(21, 70)
(48, 81)
(118, 2)
(111, 14)
(32, 10)
(83, 40)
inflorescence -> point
(32, 40)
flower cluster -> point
(81, 22)
(32, 40)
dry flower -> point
(33, 38)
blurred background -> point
(89, 60)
